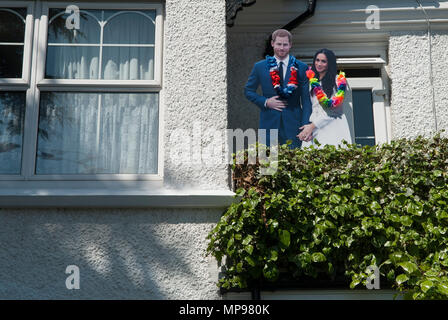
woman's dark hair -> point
(329, 80)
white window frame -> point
(381, 117)
(35, 83)
(116, 84)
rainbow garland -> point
(282, 91)
(337, 99)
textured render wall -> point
(440, 67)
(121, 254)
(137, 253)
(196, 92)
(411, 101)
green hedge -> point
(332, 211)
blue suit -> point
(298, 110)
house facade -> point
(115, 119)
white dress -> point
(329, 130)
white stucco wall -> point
(412, 109)
(121, 254)
(440, 67)
(196, 91)
(137, 253)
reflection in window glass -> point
(126, 53)
(11, 60)
(12, 34)
(92, 133)
(128, 63)
(89, 32)
(127, 27)
(72, 62)
(12, 114)
(363, 117)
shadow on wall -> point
(243, 51)
(121, 254)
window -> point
(368, 116)
(15, 48)
(363, 117)
(87, 107)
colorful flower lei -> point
(337, 99)
(282, 91)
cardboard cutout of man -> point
(285, 107)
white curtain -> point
(72, 62)
(125, 62)
(89, 133)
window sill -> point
(96, 198)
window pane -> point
(12, 26)
(128, 63)
(365, 141)
(12, 30)
(11, 59)
(91, 133)
(12, 112)
(126, 52)
(130, 27)
(362, 73)
(363, 117)
(89, 29)
(66, 59)
(72, 62)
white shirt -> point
(285, 64)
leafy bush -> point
(332, 211)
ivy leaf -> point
(285, 238)
(408, 266)
(249, 249)
(443, 288)
(354, 283)
(230, 243)
(426, 285)
(250, 260)
(406, 221)
(396, 257)
(318, 257)
(437, 173)
(375, 206)
(240, 192)
(335, 198)
(247, 240)
(274, 255)
(402, 278)
(414, 208)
